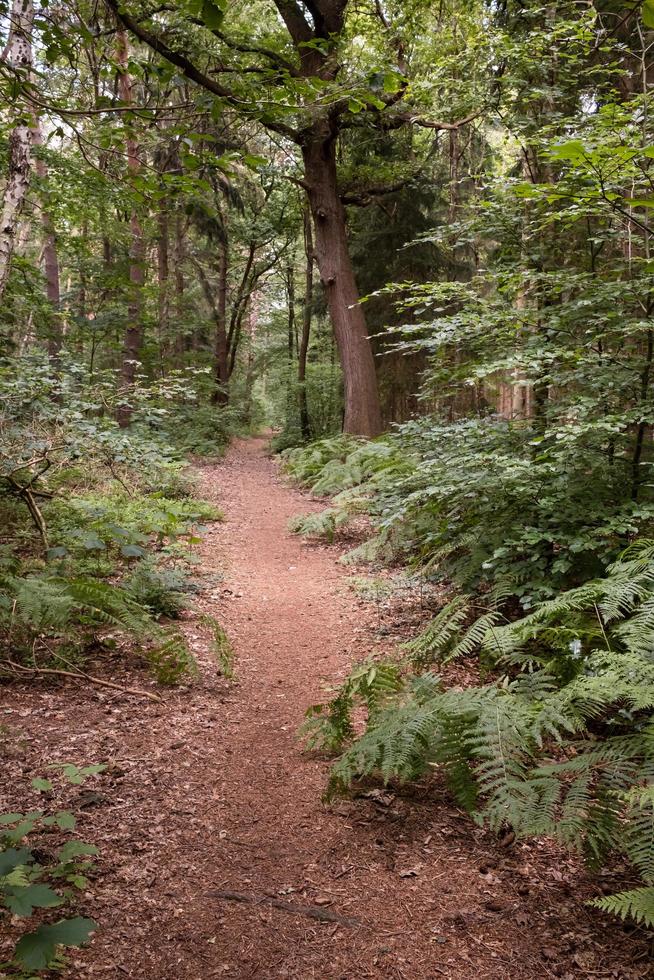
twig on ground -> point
(81, 675)
(312, 911)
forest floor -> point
(218, 858)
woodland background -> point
(414, 239)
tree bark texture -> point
(133, 339)
(362, 409)
(17, 56)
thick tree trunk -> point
(133, 339)
(17, 56)
(362, 411)
(307, 311)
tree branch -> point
(186, 66)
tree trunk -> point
(307, 311)
(217, 300)
(290, 298)
(133, 340)
(17, 56)
(163, 274)
(221, 365)
(362, 410)
(50, 257)
(180, 253)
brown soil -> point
(218, 858)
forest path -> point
(295, 623)
(208, 791)
(434, 896)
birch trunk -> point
(17, 56)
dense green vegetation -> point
(194, 200)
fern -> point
(593, 711)
(438, 637)
(171, 660)
(637, 904)
(55, 605)
(222, 646)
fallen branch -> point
(312, 911)
(80, 675)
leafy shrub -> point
(201, 430)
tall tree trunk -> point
(362, 410)
(221, 363)
(180, 253)
(307, 311)
(133, 340)
(50, 257)
(290, 297)
(17, 56)
(163, 274)
(252, 314)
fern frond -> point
(637, 904)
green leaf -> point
(76, 848)
(23, 901)
(212, 14)
(35, 950)
(91, 542)
(132, 551)
(65, 820)
(42, 785)
(393, 82)
(12, 858)
(58, 552)
(639, 202)
(648, 13)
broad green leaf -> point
(393, 82)
(639, 202)
(75, 848)
(65, 820)
(42, 785)
(36, 949)
(12, 858)
(132, 551)
(23, 901)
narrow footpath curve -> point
(217, 856)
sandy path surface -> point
(210, 793)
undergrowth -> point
(560, 614)
(99, 525)
(42, 869)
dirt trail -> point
(209, 792)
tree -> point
(322, 103)
(17, 57)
